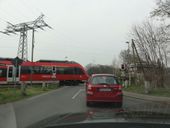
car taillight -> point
(89, 93)
(89, 87)
(120, 88)
(89, 90)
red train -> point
(48, 71)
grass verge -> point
(154, 92)
(14, 94)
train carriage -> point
(49, 71)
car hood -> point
(116, 116)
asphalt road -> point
(70, 99)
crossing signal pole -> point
(23, 28)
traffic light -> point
(123, 67)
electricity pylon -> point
(23, 28)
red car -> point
(103, 88)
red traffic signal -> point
(122, 66)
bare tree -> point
(116, 66)
(163, 9)
(97, 69)
(124, 56)
(152, 43)
(127, 57)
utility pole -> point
(23, 28)
(135, 49)
(145, 75)
(128, 64)
(32, 51)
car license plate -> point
(105, 89)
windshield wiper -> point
(142, 114)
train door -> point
(13, 73)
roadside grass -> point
(165, 92)
(13, 94)
(134, 88)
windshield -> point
(110, 80)
(91, 59)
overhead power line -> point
(22, 28)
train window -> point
(68, 70)
(10, 72)
(3, 72)
(36, 69)
(25, 70)
(79, 71)
(45, 70)
(60, 70)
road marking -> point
(77, 93)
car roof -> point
(103, 75)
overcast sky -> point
(86, 31)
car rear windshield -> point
(100, 80)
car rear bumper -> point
(116, 98)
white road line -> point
(77, 93)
